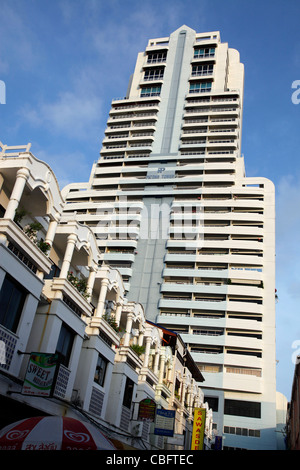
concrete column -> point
(183, 393)
(68, 256)
(170, 376)
(90, 282)
(102, 297)
(147, 351)
(190, 399)
(156, 361)
(118, 313)
(162, 367)
(22, 177)
(51, 232)
(141, 335)
(127, 335)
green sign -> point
(40, 375)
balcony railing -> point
(23, 247)
(69, 294)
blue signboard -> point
(164, 422)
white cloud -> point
(18, 38)
(72, 114)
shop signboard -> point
(147, 408)
(40, 374)
(164, 422)
(198, 429)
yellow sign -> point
(198, 429)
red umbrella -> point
(53, 433)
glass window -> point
(200, 70)
(204, 52)
(151, 91)
(154, 74)
(12, 299)
(65, 344)
(128, 393)
(156, 57)
(100, 370)
(200, 87)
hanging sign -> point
(198, 429)
(164, 422)
(40, 375)
(147, 408)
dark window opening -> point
(127, 400)
(65, 344)
(100, 370)
(12, 299)
(249, 409)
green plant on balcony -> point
(138, 349)
(43, 246)
(19, 214)
(79, 284)
(112, 322)
(32, 229)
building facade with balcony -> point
(193, 238)
(55, 299)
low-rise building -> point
(57, 302)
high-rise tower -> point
(192, 236)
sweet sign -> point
(40, 374)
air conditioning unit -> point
(137, 428)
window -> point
(199, 70)
(65, 344)
(151, 91)
(242, 431)
(54, 272)
(100, 370)
(154, 74)
(204, 52)
(200, 87)
(156, 57)
(12, 299)
(128, 393)
(213, 402)
(251, 409)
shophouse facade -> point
(56, 300)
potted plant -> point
(32, 229)
(19, 214)
(79, 284)
(43, 246)
(112, 322)
(138, 349)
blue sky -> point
(63, 61)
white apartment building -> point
(193, 237)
